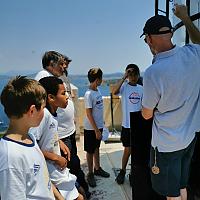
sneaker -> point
(101, 172)
(91, 181)
(87, 194)
(120, 177)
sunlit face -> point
(61, 99)
(132, 76)
(148, 39)
(58, 68)
(67, 64)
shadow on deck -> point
(110, 158)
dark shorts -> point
(174, 170)
(70, 141)
(90, 141)
(126, 137)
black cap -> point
(155, 23)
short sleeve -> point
(88, 99)
(121, 91)
(42, 74)
(151, 94)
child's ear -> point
(31, 110)
(50, 97)
(97, 80)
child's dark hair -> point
(19, 94)
(51, 57)
(133, 67)
(94, 73)
(51, 84)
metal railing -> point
(180, 24)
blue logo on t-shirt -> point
(99, 102)
(134, 98)
(36, 169)
(52, 125)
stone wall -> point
(80, 111)
(117, 114)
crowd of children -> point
(33, 135)
(32, 107)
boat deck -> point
(110, 157)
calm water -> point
(3, 117)
(80, 82)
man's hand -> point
(181, 11)
(147, 113)
(65, 149)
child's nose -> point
(67, 95)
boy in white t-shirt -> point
(93, 126)
(131, 95)
(47, 136)
(56, 64)
(23, 171)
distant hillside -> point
(20, 72)
(2, 77)
(77, 80)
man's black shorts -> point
(174, 170)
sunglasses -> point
(145, 39)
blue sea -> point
(80, 81)
(3, 117)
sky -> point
(103, 33)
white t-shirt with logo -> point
(65, 118)
(23, 171)
(131, 97)
(47, 136)
(93, 99)
(66, 125)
